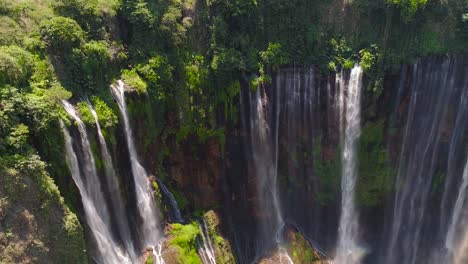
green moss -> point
(300, 249)
(149, 260)
(183, 239)
(374, 170)
(328, 173)
(223, 251)
(85, 113)
(132, 79)
(107, 117)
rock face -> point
(35, 224)
(196, 169)
(297, 248)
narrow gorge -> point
(234, 132)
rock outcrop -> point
(35, 224)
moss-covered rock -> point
(180, 246)
(375, 172)
(296, 248)
(300, 250)
(222, 247)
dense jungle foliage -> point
(189, 56)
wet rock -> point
(222, 247)
(296, 250)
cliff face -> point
(35, 224)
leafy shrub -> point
(408, 7)
(368, 58)
(107, 117)
(171, 22)
(85, 113)
(132, 79)
(274, 55)
(9, 31)
(16, 65)
(184, 240)
(62, 33)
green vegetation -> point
(409, 7)
(183, 238)
(149, 260)
(328, 172)
(132, 79)
(223, 251)
(186, 61)
(375, 172)
(300, 249)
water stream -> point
(206, 250)
(149, 228)
(349, 251)
(113, 185)
(95, 207)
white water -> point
(458, 224)
(434, 105)
(263, 153)
(114, 190)
(95, 209)
(149, 228)
(349, 251)
(172, 202)
(458, 216)
(206, 251)
(284, 257)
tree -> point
(409, 7)
(16, 65)
(62, 34)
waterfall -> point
(206, 249)
(459, 221)
(146, 203)
(455, 243)
(263, 156)
(114, 189)
(348, 250)
(95, 209)
(264, 164)
(436, 107)
(172, 203)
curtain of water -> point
(263, 148)
(436, 106)
(95, 207)
(113, 185)
(206, 250)
(175, 211)
(349, 250)
(149, 229)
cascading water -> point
(145, 200)
(176, 214)
(458, 224)
(95, 207)
(459, 218)
(206, 250)
(263, 151)
(434, 142)
(114, 189)
(349, 250)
